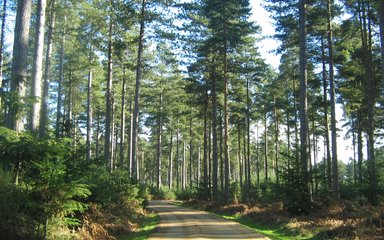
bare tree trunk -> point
(381, 17)
(326, 124)
(257, 157)
(215, 187)
(159, 142)
(226, 127)
(177, 159)
(2, 38)
(248, 140)
(183, 167)
(47, 72)
(108, 102)
(137, 93)
(276, 144)
(304, 188)
(122, 118)
(89, 118)
(239, 158)
(19, 66)
(98, 135)
(37, 67)
(170, 163)
(59, 87)
(190, 154)
(205, 149)
(335, 171)
(265, 149)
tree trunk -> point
(159, 142)
(335, 171)
(265, 149)
(122, 118)
(137, 93)
(183, 167)
(37, 67)
(47, 72)
(326, 124)
(248, 160)
(370, 96)
(2, 39)
(239, 158)
(257, 157)
(205, 149)
(19, 66)
(177, 159)
(108, 102)
(226, 126)
(381, 17)
(97, 150)
(170, 163)
(89, 118)
(215, 187)
(359, 147)
(304, 190)
(190, 154)
(59, 88)
(276, 144)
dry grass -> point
(346, 220)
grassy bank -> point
(146, 226)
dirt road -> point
(184, 223)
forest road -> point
(183, 223)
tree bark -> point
(47, 72)
(304, 188)
(19, 66)
(137, 93)
(215, 187)
(335, 171)
(37, 67)
(159, 142)
(59, 87)
(326, 124)
(2, 38)
(122, 118)
(89, 118)
(170, 163)
(108, 102)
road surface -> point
(183, 223)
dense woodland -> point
(103, 101)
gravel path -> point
(184, 223)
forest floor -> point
(346, 220)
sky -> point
(266, 48)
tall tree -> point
(304, 181)
(135, 125)
(2, 38)
(37, 67)
(19, 66)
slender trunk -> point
(276, 144)
(354, 149)
(47, 72)
(122, 117)
(177, 159)
(335, 171)
(130, 138)
(370, 96)
(19, 66)
(198, 166)
(183, 167)
(108, 102)
(37, 67)
(170, 163)
(205, 149)
(326, 124)
(137, 92)
(248, 140)
(2, 38)
(226, 125)
(159, 141)
(190, 153)
(215, 187)
(221, 152)
(89, 117)
(257, 157)
(381, 20)
(288, 141)
(59, 88)
(359, 147)
(265, 149)
(239, 157)
(69, 120)
(305, 196)
(97, 150)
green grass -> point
(147, 225)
